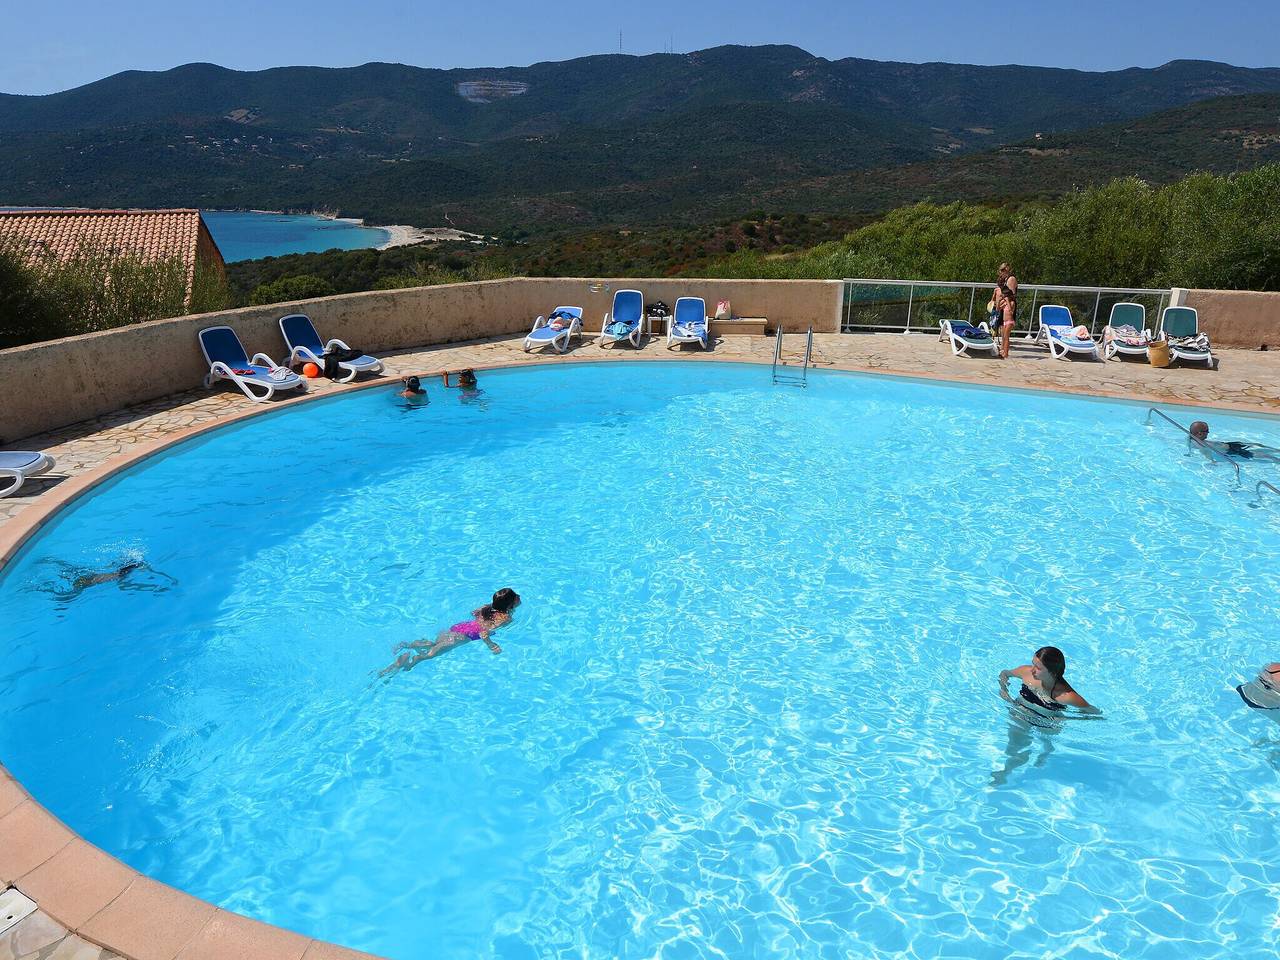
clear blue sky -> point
(55, 45)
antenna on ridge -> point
(619, 41)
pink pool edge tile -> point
(76, 882)
(229, 936)
(29, 835)
(149, 921)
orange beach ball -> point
(311, 371)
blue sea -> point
(251, 236)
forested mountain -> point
(592, 141)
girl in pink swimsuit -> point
(492, 616)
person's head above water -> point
(505, 600)
(413, 385)
(1199, 429)
(1048, 665)
(466, 378)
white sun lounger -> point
(225, 355)
(1055, 329)
(1185, 322)
(304, 343)
(628, 309)
(1126, 315)
(689, 323)
(544, 334)
(963, 338)
(19, 466)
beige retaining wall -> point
(44, 386)
(1236, 318)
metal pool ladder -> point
(800, 379)
(1213, 454)
(1258, 487)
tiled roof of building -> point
(150, 234)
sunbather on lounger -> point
(492, 616)
(1237, 449)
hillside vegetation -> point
(1202, 231)
(610, 140)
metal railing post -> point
(972, 293)
(1031, 321)
(911, 296)
(1093, 323)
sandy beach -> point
(404, 235)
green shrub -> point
(92, 290)
(303, 287)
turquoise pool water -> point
(748, 708)
(248, 235)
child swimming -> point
(492, 616)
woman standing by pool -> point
(1005, 306)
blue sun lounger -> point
(259, 378)
(625, 320)
(304, 344)
(689, 323)
(18, 466)
(544, 334)
(1055, 329)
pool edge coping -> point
(103, 900)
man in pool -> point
(1235, 449)
(1263, 693)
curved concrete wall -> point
(48, 385)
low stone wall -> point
(44, 386)
(792, 304)
(1236, 318)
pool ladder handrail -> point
(797, 380)
(1212, 452)
(1257, 489)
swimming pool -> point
(748, 707)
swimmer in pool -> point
(1043, 685)
(492, 616)
(86, 580)
(1236, 449)
(1263, 693)
(466, 378)
(413, 391)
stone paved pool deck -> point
(81, 889)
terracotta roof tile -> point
(151, 234)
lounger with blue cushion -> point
(304, 345)
(625, 320)
(546, 332)
(1183, 324)
(19, 466)
(689, 323)
(965, 337)
(1056, 328)
(1117, 344)
(259, 378)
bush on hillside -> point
(1203, 231)
(303, 287)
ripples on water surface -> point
(747, 709)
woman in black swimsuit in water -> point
(1043, 685)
